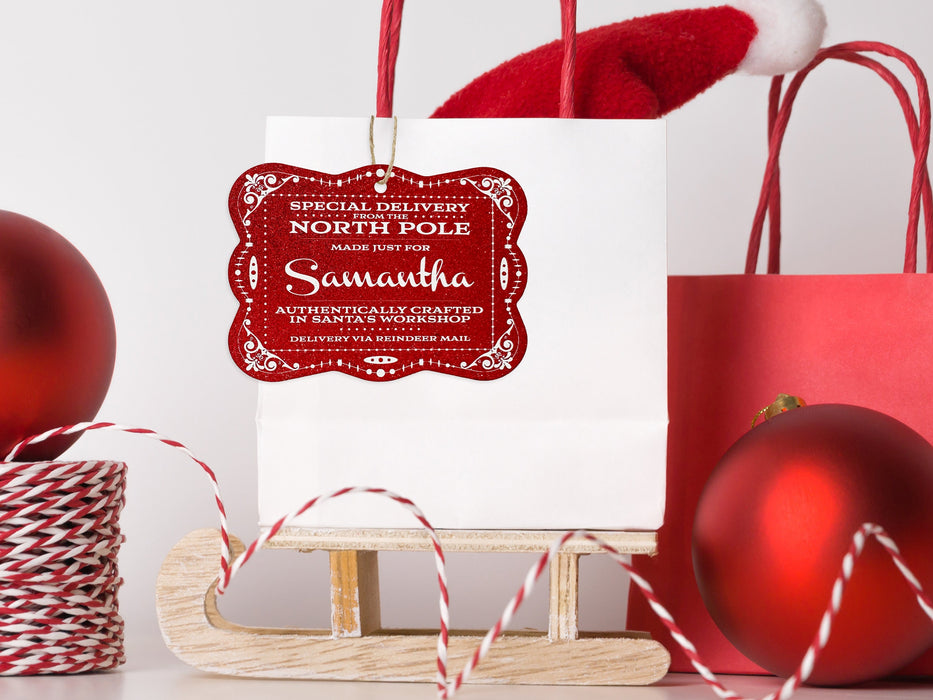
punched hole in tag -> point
(380, 186)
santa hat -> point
(646, 67)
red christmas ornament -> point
(57, 337)
(776, 519)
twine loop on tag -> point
(381, 185)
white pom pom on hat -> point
(790, 33)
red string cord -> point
(390, 28)
(920, 196)
(568, 23)
(774, 208)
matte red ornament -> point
(57, 336)
(776, 519)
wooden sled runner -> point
(357, 648)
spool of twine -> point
(59, 540)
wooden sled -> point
(357, 648)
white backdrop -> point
(124, 125)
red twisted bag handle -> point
(774, 210)
(390, 28)
(921, 196)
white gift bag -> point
(574, 434)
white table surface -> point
(158, 675)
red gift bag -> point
(736, 341)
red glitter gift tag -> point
(342, 273)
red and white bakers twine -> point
(58, 577)
(59, 538)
